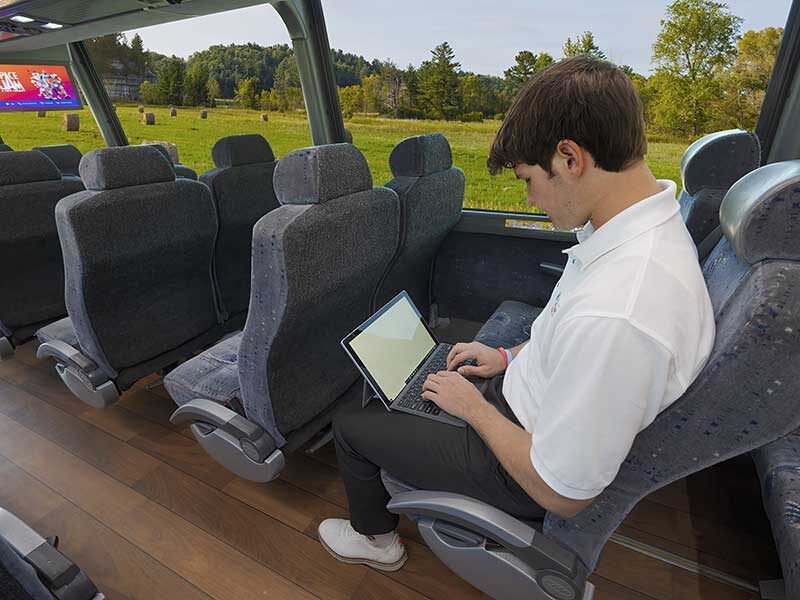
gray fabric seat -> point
(65, 156)
(241, 185)
(312, 282)
(709, 167)
(747, 395)
(140, 293)
(181, 171)
(32, 291)
(431, 193)
(778, 467)
(32, 569)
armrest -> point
(476, 516)
(552, 269)
(63, 351)
(256, 443)
(59, 574)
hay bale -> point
(41, 113)
(173, 112)
(265, 117)
(71, 122)
(172, 149)
(203, 114)
(147, 118)
(140, 109)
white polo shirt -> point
(627, 329)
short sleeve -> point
(608, 382)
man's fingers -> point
(429, 395)
(459, 358)
(468, 370)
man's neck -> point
(622, 190)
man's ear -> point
(574, 158)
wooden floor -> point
(143, 510)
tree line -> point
(706, 75)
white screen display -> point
(392, 346)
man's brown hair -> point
(589, 101)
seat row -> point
(31, 183)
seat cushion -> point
(509, 325)
(213, 374)
(59, 330)
(778, 466)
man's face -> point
(558, 194)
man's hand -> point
(454, 394)
(489, 360)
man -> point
(627, 329)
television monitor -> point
(37, 87)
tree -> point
(247, 93)
(439, 92)
(391, 80)
(351, 99)
(195, 83)
(169, 80)
(213, 91)
(583, 45)
(148, 93)
(744, 85)
(697, 41)
(287, 85)
(138, 57)
(526, 65)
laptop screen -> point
(391, 345)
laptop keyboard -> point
(412, 398)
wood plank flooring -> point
(140, 506)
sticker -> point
(529, 224)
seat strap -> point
(705, 247)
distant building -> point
(123, 85)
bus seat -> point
(316, 262)
(778, 468)
(709, 167)
(747, 395)
(241, 186)
(32, 291)
(181, 171)
(65, 156)
(31, 568)
(140, 294)
(431, 193)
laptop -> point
(395, 351)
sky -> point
(484, 35)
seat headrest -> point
(760, 214)
(421, 155)
(26, 167)
(63, 155)
(321, 173)
(124, 166)
(236, 150)
(719, 159)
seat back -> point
(709, 167)
(5, 148)
(431, 193)
(65, 156)
(241, 185)
(181, 171)
(316, 263)
(138, 248)
(32, 289)
(748, 393)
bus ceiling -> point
(42, 31)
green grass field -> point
(374, 136)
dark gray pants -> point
(424, 453)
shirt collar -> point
(623, 227)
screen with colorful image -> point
(36, 87)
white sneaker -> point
(347, 545)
